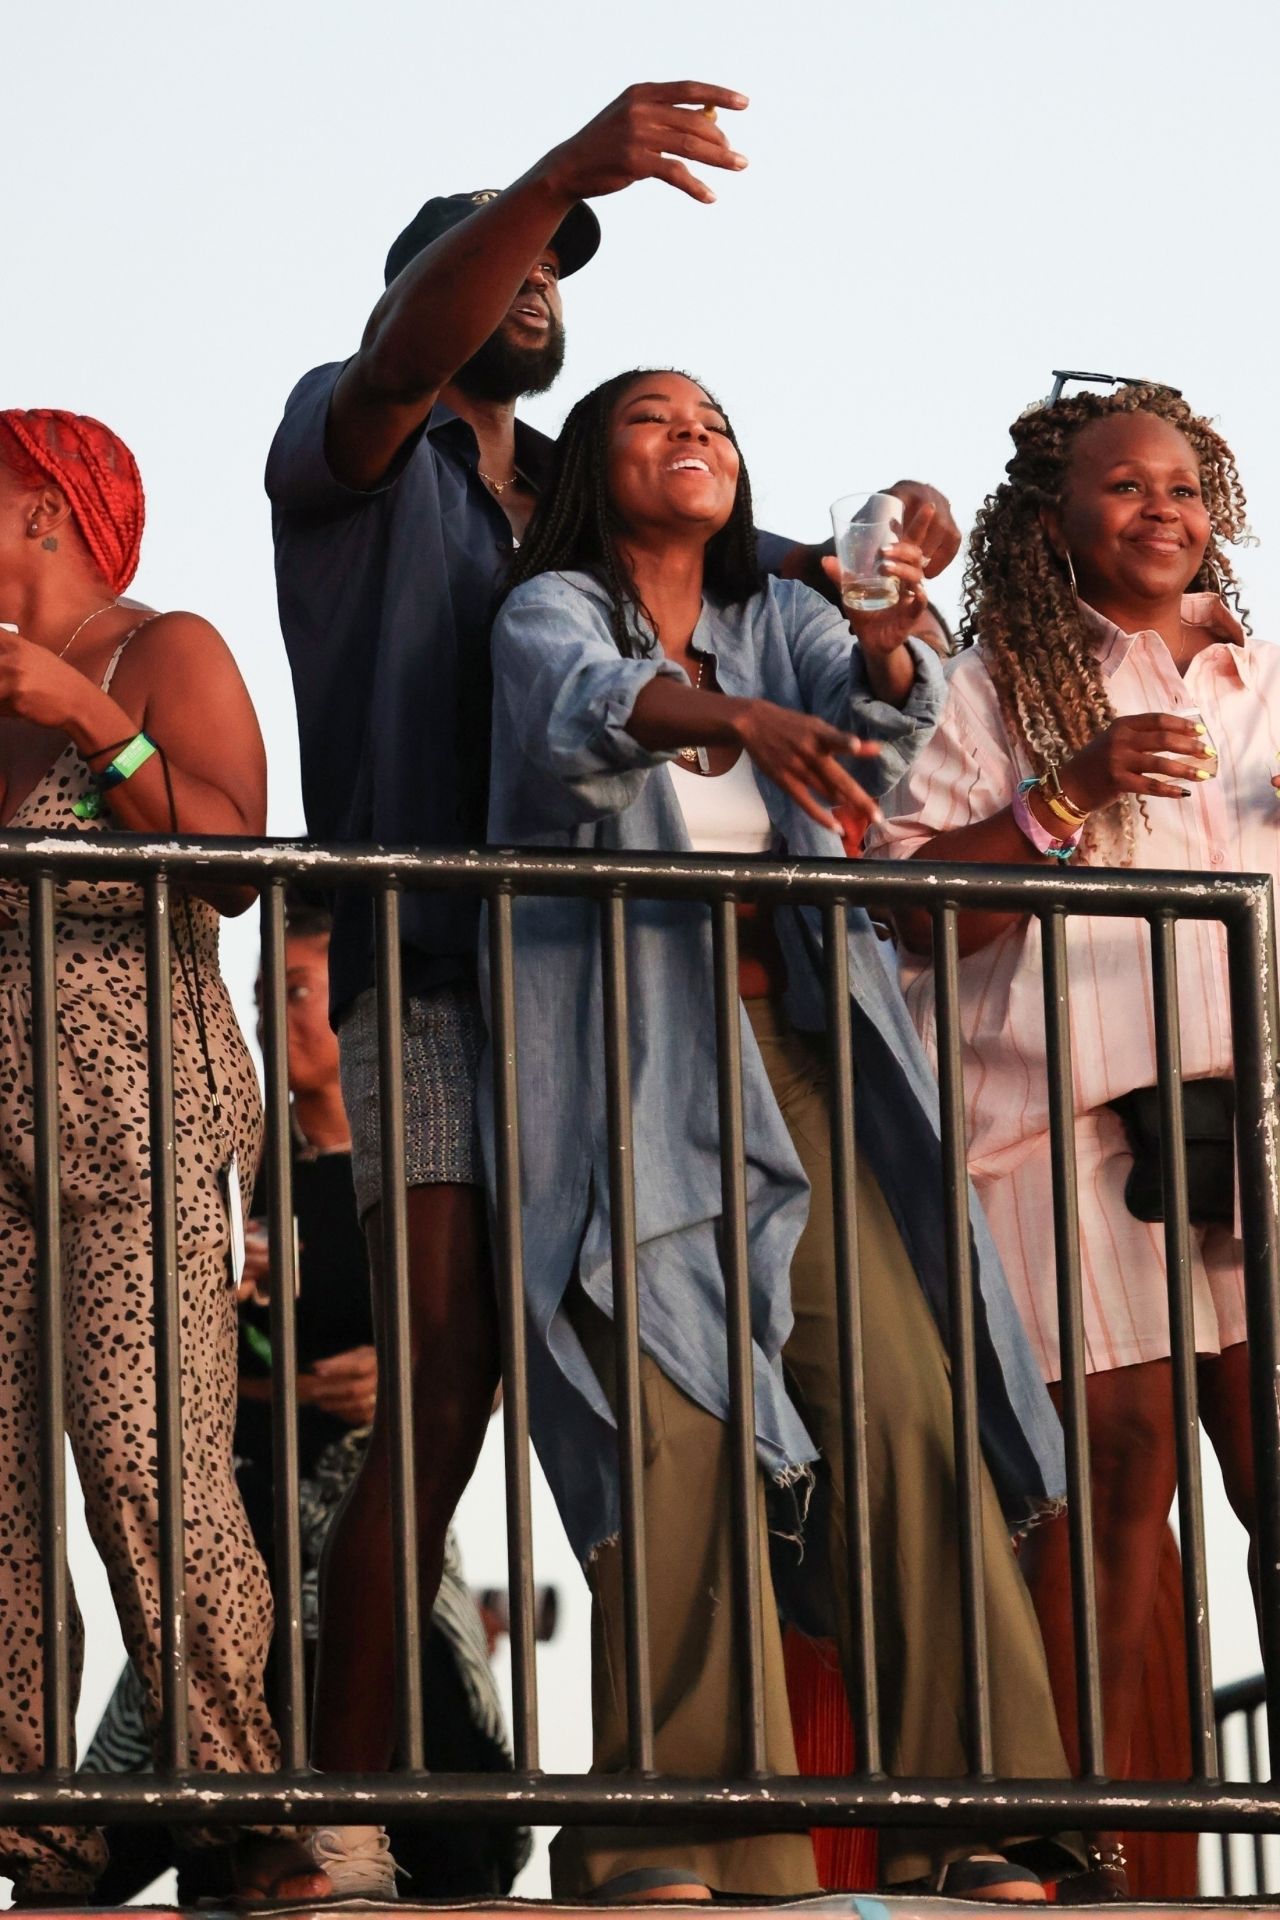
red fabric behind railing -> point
(846, 1856)
(1162, 1866)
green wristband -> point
(124, 765)
(127, 762)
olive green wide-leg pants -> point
(914, 1550)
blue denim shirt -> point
(385, 600)
(565, 772)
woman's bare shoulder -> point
(174, 645)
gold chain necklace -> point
(499, 486)
(83, 624)
(696, 756)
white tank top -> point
(723, 812)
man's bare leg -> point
(456, 1366)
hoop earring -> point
(1071, 575)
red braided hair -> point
(94, 469)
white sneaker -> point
(357, 1860)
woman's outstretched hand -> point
(802, 756)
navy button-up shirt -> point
(385, 603)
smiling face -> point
(1132, 514)
(672, 465)
(525, 351)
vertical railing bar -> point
(1251, 961)
(174, 1752)
(626, 1326)
(1251, 1749)
(509, 1263)
(1223, 1839)
(733, 1239)
(961, 1318)
(1177, 1240)
(395, 1355)
(1066, 1235)
(290, 1704)
(55, 1589)
(861, 1682)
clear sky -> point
(944, 201)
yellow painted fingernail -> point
(1199, 726)
(1203, 773)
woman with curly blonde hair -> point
(1114, 710)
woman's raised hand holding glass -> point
(879, 567)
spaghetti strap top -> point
(89, 910)
(114, 661)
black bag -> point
(1208, 1119)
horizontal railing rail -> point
(179, 1794)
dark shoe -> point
(974, 1877)
(646, 1885)
(1103, 1880)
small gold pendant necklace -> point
(498, 486)
(696, 756)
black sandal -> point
(1104, 1879)
(644, 1886)
(972, 1877)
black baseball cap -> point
(575, 239)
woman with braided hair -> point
(1114, 710)
(650, 692)
(114, 716)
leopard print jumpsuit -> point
(107, 1301)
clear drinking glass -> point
(1197, 719)
(864, 523)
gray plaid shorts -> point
(444, 1036)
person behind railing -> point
(400, 478)
(651, 694)
(115, 716)
(337, 1381)
(1114, 710)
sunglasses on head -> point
(1063, 375)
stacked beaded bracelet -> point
(123, 767)
(1040, 837)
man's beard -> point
(500, 370)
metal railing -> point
(1245, 1864)
(754, 1801)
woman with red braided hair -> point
(1114, 710)
(112, 715)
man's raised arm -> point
(445, 304)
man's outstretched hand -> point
(941, 542)
(649, 132)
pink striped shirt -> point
(969, 771)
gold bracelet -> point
(1061, 803)
(1063, 811)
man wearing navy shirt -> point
(399, 480)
